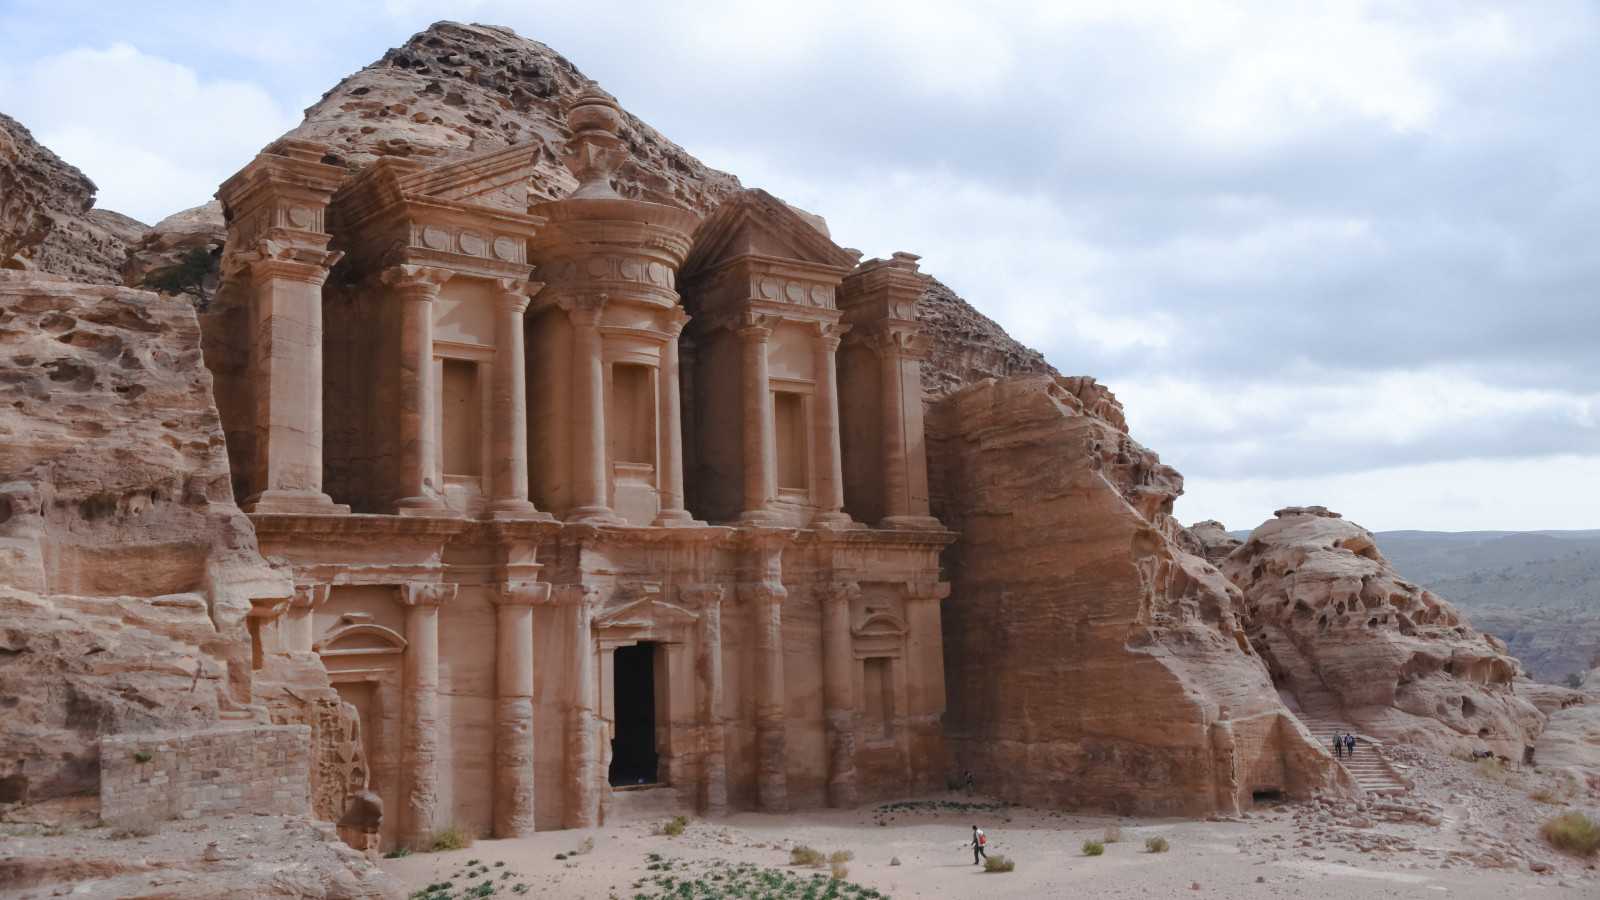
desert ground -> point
(1485, 844)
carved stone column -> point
(671, 414)
(509, 472)
(925, 682)
(765, 596)
(760, 441)
(300, 632)
(514, 740)
(419, 789)
(415, 288)
(590, 486)
(583, 744)
(829, 496)
(838, 692)
(713, 799)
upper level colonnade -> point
(415, 340)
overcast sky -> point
(1345, 257)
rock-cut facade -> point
(586, 501)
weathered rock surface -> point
(47, 222)
(1089, 660)
(1211, 540)
(967, 346)
(128, 570)
(169, 240)
(1349, 639)
(456, 90)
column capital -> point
(584, 308)
(521, 593)
(829, 334)
(927, 590)
(279, 259)
(700, 596)
(575, 594)
(427, 593)
(416, 282)
(674, 321)
(754, 327)
(514, 294)
(902, 340)
(268, 607)
(762, 592)
(310, 596)
(841, 591)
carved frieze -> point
(799, 292)
(475, 242)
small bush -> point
(585, 847)
(142, 756)
(840, 871)
(1093, 848)
(1156, 844)
(674, 826)
(452, 838)
(841, 856)
(398, 853)
(1113, 834)
(1490, 769)
(998, 863)
(802, 855)
(1546, 795)
(1573, 833)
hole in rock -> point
(1266, 795)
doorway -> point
(633, 750)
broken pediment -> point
(645, 612)
(360, 639)
(498, 179)
(753, 223)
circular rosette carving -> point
(473, 244)
(505, 248)
(435, 238)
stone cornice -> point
(425, 594)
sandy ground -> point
(1310, 850)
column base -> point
(521, 510)
(675, 518)
(594, 515)
(422, 506)
(298, 503)
(761, 517)
(837, 521)
(912, 523)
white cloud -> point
(153, 135)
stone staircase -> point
(1371, 770)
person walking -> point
(979, 842)
(1350, 746)
(1338, 745)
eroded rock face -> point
(47, 222)
(1089, 660)
(1211, 540)
(456, 90)
(129, 572)
(967, 346)
(1352, 640)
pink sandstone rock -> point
(1348, 638)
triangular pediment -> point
(755, 223)
(497, 179)
(645, 612)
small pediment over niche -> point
(880, 624)
(645, 612)
(497, 179)
(360, 639)
(754, 222)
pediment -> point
(755, 223)
(881, 624)
(360, 639)
(497, 179)
(645, 612)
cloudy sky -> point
(1325, 253)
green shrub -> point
(1573, 833)
(674, 827)
(142, 756)
(1113, 834)
(1156, 844)
(802, 855)
(841, 856)
(998, 863)
(452, 838)
(1093, 848)
(397, 853)
(839, 869)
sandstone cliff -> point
(1350, 639)
(1089, 660)
(47, 219)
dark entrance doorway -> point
(633, 750)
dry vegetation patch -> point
(1573, 833)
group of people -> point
(1344, 745)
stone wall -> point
(189, 774)
(1090, 661)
